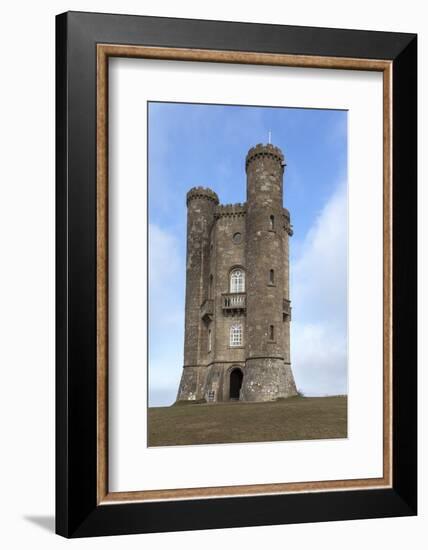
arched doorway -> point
(235, 384)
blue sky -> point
(192, 144)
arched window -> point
(271, 277)
(236, 335)
(237, 280)
(272, 222)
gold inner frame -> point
(104, 51)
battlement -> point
(267, 150)
(202, 193)
(230, 210)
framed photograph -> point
(236, 274)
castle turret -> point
(267, 373)
(201, 203)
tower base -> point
(192, 384)
(255, 380)
(267, 379)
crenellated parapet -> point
(202, 193)
(267, 151)
(230, 210)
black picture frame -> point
(77, 511)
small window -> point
(210, 287)
(237, 281)
(271, 332)
(211, 396)
(209, 340)
(272, 222)
(237, 237)
(271, 277)
(236, 335)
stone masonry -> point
(238, 313)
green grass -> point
(283, 420)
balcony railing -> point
(286, 309)
(234, 302)
(207, 309)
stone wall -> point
(267, 379)
(227, 255)
(192, 384)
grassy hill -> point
(235, 422)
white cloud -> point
(319, 359)
(164, 257)
(319, 299)
(166, 313)
(166, 275)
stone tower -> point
(237, 318)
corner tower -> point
(267, 373)
(201, 204)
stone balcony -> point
(207, 309)
(286, 310)
(234, 302)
